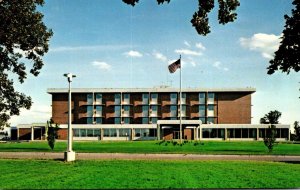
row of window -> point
(97, 112)
(144, 120)
(114, 132)
(241, 133)
(153, 98)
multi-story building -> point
(154, 113)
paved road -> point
(125, 156)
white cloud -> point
(188, 52)
(38, 113)
(87, 48)
(101, 65)
(219, 66)
(133, 53)
(187, 43)
(160, 56)
(266, 44)
(200, 46)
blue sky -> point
(110, 44)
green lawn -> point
(208, 147)
(45, 174)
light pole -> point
(69, 154)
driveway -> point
(126, 156)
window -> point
(244, 133)
(173, 111)
(90, 132)
(98, 120)
(210, 110)
(210, 120)
(98, 111)
(183, 107)
(82, 132)
(154, 98)
(124, 132)
(117, 120)
(126, 98)
(145, 111)
(154, 110)
(205, 133)
(221, 133)
(117, 111)
(285, 133)
(126, 120)
(97, 133)
(152, 132)
(183, 100)
(145, 120)
(117, 99)
(142, 132)
(202, 111)
(145, 98)
(89, 120)
(202, 119)
(154, 120)
(126, 112)
(201, 98)
(89, 111)
(86, 132)
(126, 108)
(89, 98)
(76, 132)
(262, 133)
(173, 98)
(211, 98)
(110, 132)
(99, 98)
(252, 133)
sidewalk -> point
(127, 156)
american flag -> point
(174, 66)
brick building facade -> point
(154, 113)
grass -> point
(45, 174)
(207, 147)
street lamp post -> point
(69, 154)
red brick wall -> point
(188, 134)
(234, 108)
(60, 108)
(62, 134)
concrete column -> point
(32, 133)
(18, 134)
(257, 134)
(200, 132)
(132, 134)
(225, 134)
(197, 133)
(101, 133)
(158, 132)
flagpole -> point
(180, 94)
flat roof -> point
(155, 89)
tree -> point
(199, 20)
(287, 56)
(23, 39)
(271, 118)
(51, 132)
(297, 131)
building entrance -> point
(176, 134)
